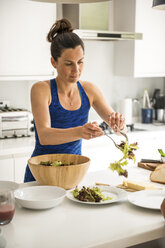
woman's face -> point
(69, 66)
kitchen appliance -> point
(160, 115)
(89, 22)
(68, 1)
(107, 35)
(15, 122)
(158, 100)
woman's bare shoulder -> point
(41, 86)
(90, 87)
(87, 85)
(41, 90)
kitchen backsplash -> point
(16, 92)
(98, 68)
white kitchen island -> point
(15, 152)
(76, 225)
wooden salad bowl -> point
(67, 177)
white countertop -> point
(150, 127)
(16, 145)
(74, 225)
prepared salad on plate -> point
(88, 194)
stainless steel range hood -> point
(94, 21)
(107, 35)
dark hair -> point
(62, 37)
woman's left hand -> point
(116, 121)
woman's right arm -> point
(40, 100)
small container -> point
(147, 115)
(7, 206)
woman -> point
(162, 208)
(60, 106)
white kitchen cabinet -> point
(6, 168)
(20, 162)
(25, 53)
(12, 166)
(140, 58)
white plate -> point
(163, 159)
(147, 198)
(116, 194)
(40, 197)
(8, 185)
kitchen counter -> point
(75, 225)
(155, 126)
(26, 144)
(16, 145)
(15, 152)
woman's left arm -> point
(162, 207)
(97, 100)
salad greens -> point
(161, 152)
(87, 194)
(55, 163)
(127, 150)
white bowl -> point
(8, 185)
(40, 197)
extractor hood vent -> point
(94, 21)
(107, 35)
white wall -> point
(99, 70)
(16, 92)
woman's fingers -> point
(92, 130)
(116, 121)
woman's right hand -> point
(91, 130)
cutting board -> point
(149, 166)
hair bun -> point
(63, 26)
(59, 27)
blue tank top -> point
(61, 118)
